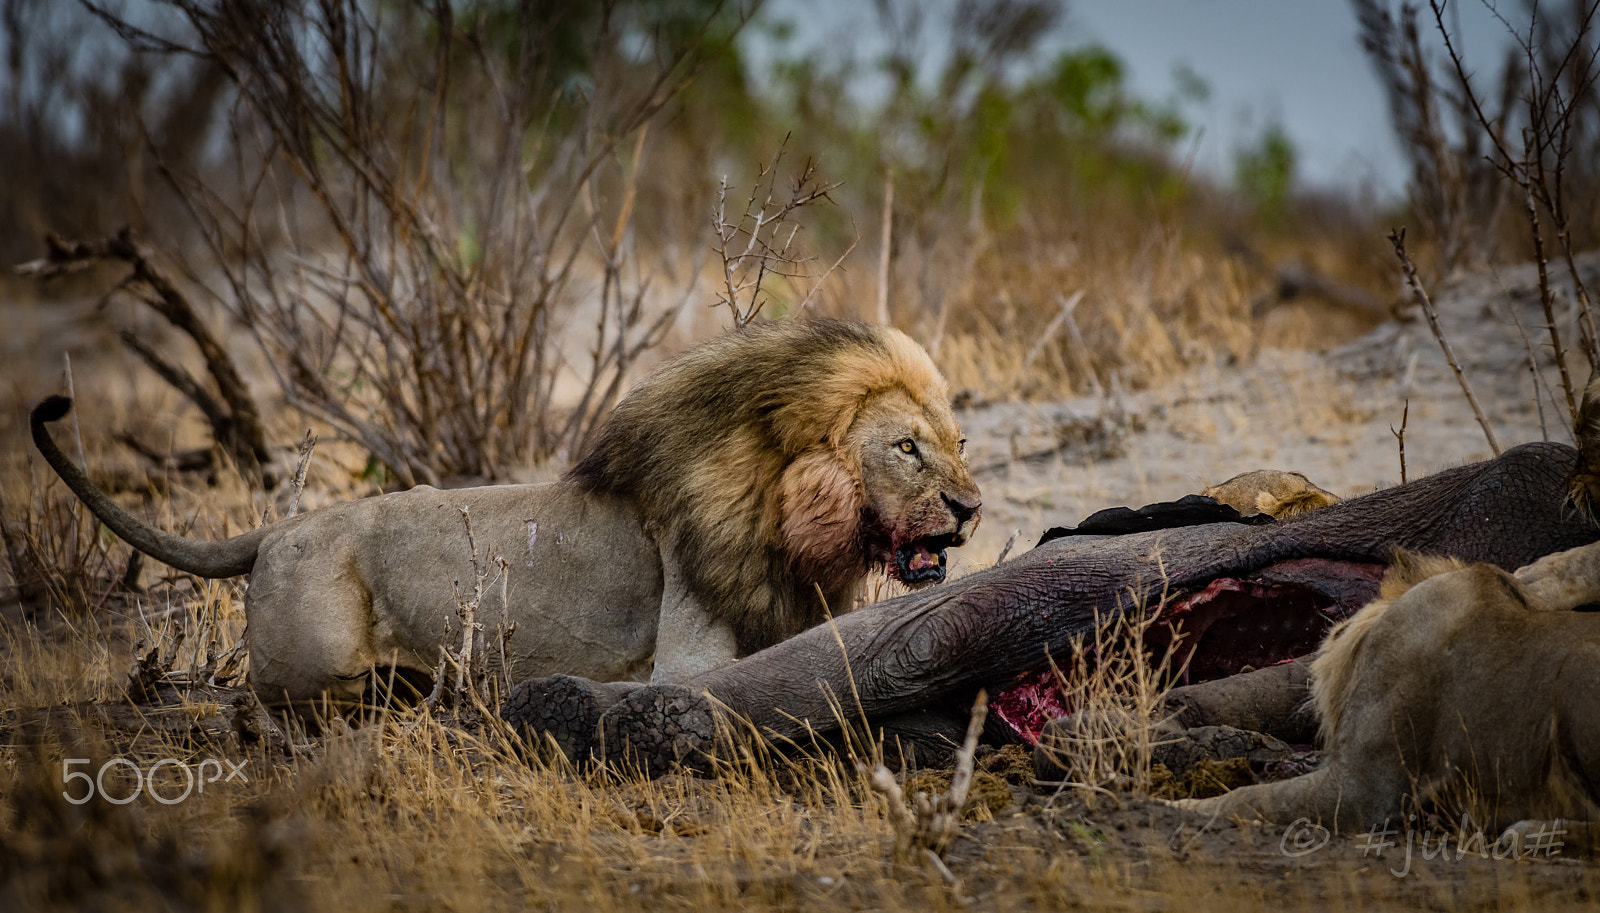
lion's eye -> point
(907, 446)
(961, 447)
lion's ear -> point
(822, 503)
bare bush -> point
(1114, 685)
(1553, 163)
(231, 412)
(1454, 192)
(423, 198)
(759, 242)
(1532, 139)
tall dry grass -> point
(425, 809)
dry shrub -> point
(1114, 686)
(421, 219)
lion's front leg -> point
(688, 640)
(1563, 581)
(1331, 797)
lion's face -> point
(918, 497)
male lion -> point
(735, 496)
(1463, 687)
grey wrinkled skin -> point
(936, 648)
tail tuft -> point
(53, 409)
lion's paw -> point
(657, 728)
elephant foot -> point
(565, 708)
(657, 728)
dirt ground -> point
(1330, 414)
(412, 814)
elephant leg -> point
(1275, 701)
(654, 729)
(659, 727)
(931, 736)
(565, 708)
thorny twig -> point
(297, 484)
(306, 446)
(1547, 303)
(768, 229)
(885, 241)
(1065, 307)
(1398, 239)
(1533, 371)
(507, 626)
(1400, 438)
(931, 824)
(1006, 549)
(467, 610)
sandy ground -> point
(1327, 414)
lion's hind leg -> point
(311, 636)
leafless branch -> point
(235, 420)
(932, 823)
(760, 240)
(1400, 438)
(1398, 239)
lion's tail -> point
(1333, 671)
(206, 559)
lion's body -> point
(1462, 687)
(726, 491)
(1271, 491)
(372, 583)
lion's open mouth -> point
(922, 561)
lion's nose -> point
(963, 508)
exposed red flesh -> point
(1269, 616)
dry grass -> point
(1114, 681)
(428, 809)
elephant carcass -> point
(1252, 596)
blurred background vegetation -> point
(453, 231)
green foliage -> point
(1264, 173)
(998, 124)
(1087, 86)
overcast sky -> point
(1295, 61)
